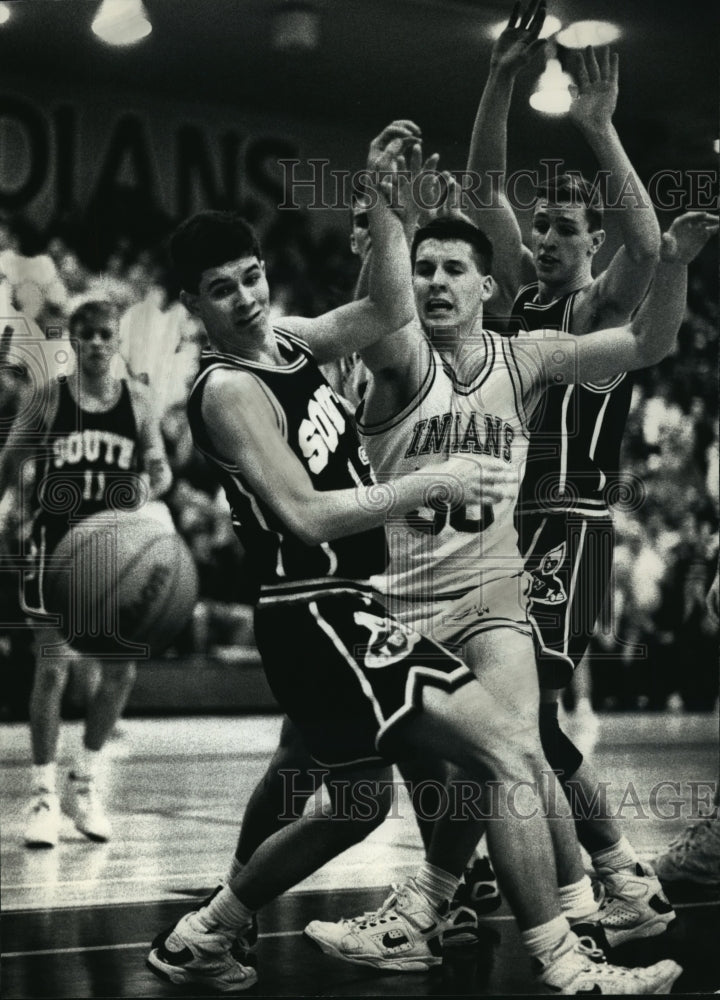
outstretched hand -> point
(687, 235)
(403, 179)
(595, 89)
(519, 42)
(394, 138)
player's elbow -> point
(645, 252)
(161, 482)
(305, 522)
(651, 351)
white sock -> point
(235, 868)
(541, 941)
(577, 900)
(87, 764)
(620, 856)
(436, 884)
(225, 909)
(44, 777)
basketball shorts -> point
(456, 618)
(346, 673)
(570, 559)
(43, 541)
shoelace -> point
(586, 946)
(373, 917)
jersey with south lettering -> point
(88, 463)
(575, 430)
(475, 408)
(316, 427)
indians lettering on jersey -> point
(93, 446)
(439, 550)
(473, 433)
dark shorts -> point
(570, 558)
(43, 542)
(346, 673)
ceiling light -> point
(582, 33)
(121, 22)
(552, 95)
(551, 25)
(296, 27)
(4, 13)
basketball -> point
(123, 583)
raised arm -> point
(487, 159)
(153, 458)
(648, 338)
(389, 305)
(621, 287)
(246, 435)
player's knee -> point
(560, 752)
(357, 819)
(119, 675)
(50, 674)
(512, 756)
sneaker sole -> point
(672, 976)
(183, 977)
(386, 965)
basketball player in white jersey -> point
(563, 516)
(90, 439)
(360, 688)
(458, 576)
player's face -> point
(96, 343)
(562, 244)
(449, 288)
(233, 301)
(360, 236)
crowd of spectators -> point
(655, 647)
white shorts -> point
(456, 618)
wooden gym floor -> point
(78, 919)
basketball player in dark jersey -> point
(362, 689)
(563, 517)
(92, 443)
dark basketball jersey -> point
(314, 423)
(88, 463)
(575, 431)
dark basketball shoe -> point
(193, 954)
(479, 888)
(243, 947)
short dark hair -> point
(450, 228)
(93, 312)
(209, 239)
(577, 190)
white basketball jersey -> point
(438, 552)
